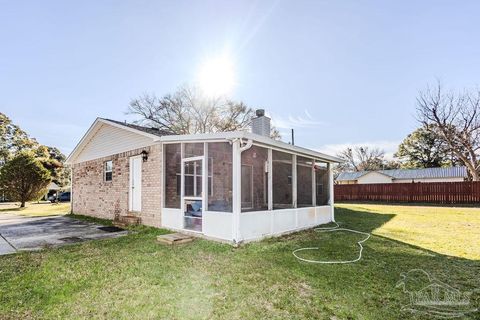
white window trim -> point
(105, 171)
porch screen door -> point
(192, 193)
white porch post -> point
(314, 185)
(205, 178)
(330, 185)
(236, 190)
(182, 182)
(294, 181)
(270, 179)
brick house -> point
(256, 186)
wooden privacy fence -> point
(430, 192)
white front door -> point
(135, 192)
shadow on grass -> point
(209, 280)
(411, 204)
(370, 286)
(16, 209)
(105, 222)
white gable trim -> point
(93, 130)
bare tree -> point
(361, 159)
(456, 118)
(188, 112)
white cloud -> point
(303, 120)
(390, 147)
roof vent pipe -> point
(261, 123)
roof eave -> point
(249, 136)
(81, 144)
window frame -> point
(195, 176)
(105, 171)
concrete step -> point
(125, 221)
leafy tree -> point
(52, 159)
(425, 148)
(391, 164)
(24, 178)
(187, 111)
(361, 159)
(12, 139)
(456, 116)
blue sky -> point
(338, 72)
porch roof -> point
(257, 139)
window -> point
(254, 178)
(282, 180)
(191, 176)
(108, 166)
(322, 183)
(304, 182)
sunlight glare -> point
(216, 76)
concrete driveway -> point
(34, 233)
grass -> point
(134, 277)
(34, 209)
(452, 231)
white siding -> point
(374, 177)
(109, 140)
(347, 182)
(256, 225)
(217, 225)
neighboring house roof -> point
(403, 174)
(347, 176)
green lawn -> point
(447, 230)
(34, 209)
(135, 278)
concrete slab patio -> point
(34, 233)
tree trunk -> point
(475, 175)
(22, 204)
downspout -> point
(330, 182)
(237, 185)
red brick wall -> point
(92, 196)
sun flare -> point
(216, 77)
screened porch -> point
(254, 186)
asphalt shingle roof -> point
(150, 130)
(426, 173)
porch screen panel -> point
(193, 150)
(172, 175)
(254, 179)
(322, 183)
(304, 182)
(282, 180)
(220, 181)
